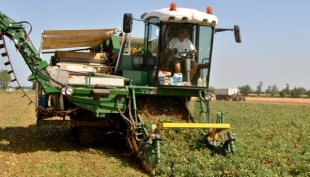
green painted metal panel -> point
(168, 91)
(126, 63)
(100, 107)
(116, 44)
(138, 77)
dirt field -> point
(293, 101)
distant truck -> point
(233, 94)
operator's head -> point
(183, 31)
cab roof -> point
(182, 15)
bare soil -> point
(292, 101)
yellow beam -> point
(192, 125)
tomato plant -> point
(134, 49)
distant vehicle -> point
(9, 90)
(233, 94)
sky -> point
(275, 35)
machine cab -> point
(164, 43)
(180, 62)
(177, 47)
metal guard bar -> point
(192, 125)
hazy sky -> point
(275, 34)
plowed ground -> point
(292, 101)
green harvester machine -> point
(105, 81)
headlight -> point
(208, 96)
(67, 91)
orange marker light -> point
(209, 10)
(173, 6)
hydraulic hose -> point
(127, 120)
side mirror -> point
(127, 23)
(237, 33)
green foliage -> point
(297, 92)
(272, 90)
(245, 90)
(287, 89)
(134, 49)
(259, 88)
(283, 93)
(268, 90)
(272, 140)
(5, 79)
(34, 84)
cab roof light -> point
(173, 7)
(209, 10)
(184, 19)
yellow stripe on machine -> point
(192, 125)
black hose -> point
(130, 115)
(123, 116)
(27, 23)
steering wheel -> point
(189, 54)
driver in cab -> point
(179, 45)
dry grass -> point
(292, 101)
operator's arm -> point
(172, 47)
(192, 47)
